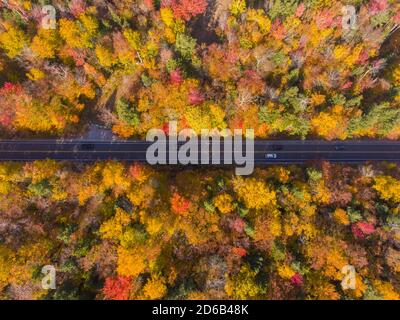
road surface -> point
(266, 152)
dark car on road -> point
(277, 147)
(86, 147)
(340, 147)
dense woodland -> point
(116, 231)
(284, 68)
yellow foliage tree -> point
(387, 290)
(341, 217)
(388, 188)
(105, 56)
(243, 285)
(6, 263)
(396, 76)
(285, 271)
(115, 177)
(79, 33)
(224, 203)
(131, 262)
(254, 193)
(155, 288)
(35, 74)
(331, 125)
(13, 40)
(114, 228)
(46, 43)
(41, 170)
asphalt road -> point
(266, 152)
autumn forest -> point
(289, 69)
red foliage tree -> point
(79, 56)
(179, 204)
(149, 4)
(300, 10)
(362, 229)
(377, 6)
(117, 288)
(186, 9)
(241, 252)
(10, 94)
(396, 18)
(278, 30)
(136, 171)
(176, 76)
(297, 279)
(195, 97)
(325, 19)
(77, 7)
(165, 128)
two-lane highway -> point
(265, 151)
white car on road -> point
(271, 156)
